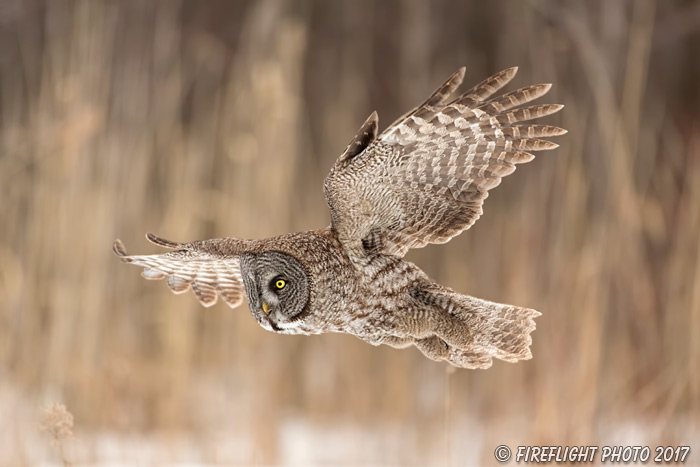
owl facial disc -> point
(277, 288)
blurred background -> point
(216, 118)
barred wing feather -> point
(209, 275)
(425, 178)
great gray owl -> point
(421, 181)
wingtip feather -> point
(119, 249)
(555, 108)
(162, 241)
(443, 93)
(373, 119)
(510, 72)
(556, 131)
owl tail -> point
(495, 331)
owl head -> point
(277, 287)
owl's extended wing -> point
(425, 178)
(210, 268)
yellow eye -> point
(279, 284)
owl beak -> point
(265, 308)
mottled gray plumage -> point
(421, 181)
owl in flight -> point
(423, 180)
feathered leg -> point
(475, 330)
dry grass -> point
(57, 422)
(199, 119)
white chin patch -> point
(292, 325)
(287, 327)
(266, 325)
(285, 324)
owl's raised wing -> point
(211, 268)
(425, 178)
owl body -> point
(423, 180)
(342, 297)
